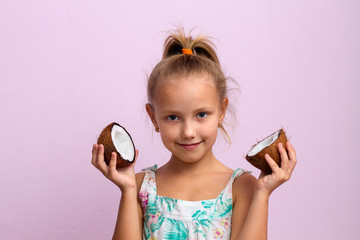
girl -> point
(194, 195)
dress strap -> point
(238, 172)
(149, 185)
(227, 192)
(152, 168)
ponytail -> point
(200, 46)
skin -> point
(187, 111)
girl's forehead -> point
(190, 84)
(187, 91)
(187, 82)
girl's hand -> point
(268, 183)
(123, 177)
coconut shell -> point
(258, 160)
(109, 147)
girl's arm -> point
(128, 224)
(250, 214)
(129, 220)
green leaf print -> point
(201, 218)
(175, 230)
(170, 203)
(224, 209)
(196, 214)
(207, 204)
(199, 215)
(205, 222)
(146, 231)
(196, 232)
(157, 225)
(151, 207)
(221, 197)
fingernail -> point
(281, 145)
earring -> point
(157, 129)
(220, 125)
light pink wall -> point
(68, 68)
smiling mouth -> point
(190, 146)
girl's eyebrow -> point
(175, 112)
(168, 111)
(204, 108)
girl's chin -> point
(190, 156)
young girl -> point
(194, 195)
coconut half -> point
(256, 156)
(116, 139)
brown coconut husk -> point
(109, 147)
(258, 160)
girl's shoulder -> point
(243, 187)
(139, 177)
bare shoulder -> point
(139, 179)
(244, 186)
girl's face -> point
(187, 111)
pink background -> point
(68, 68)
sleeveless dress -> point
(175, 219)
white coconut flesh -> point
(264, 143)
(122, 143)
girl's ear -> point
(224, 105)
(150, 111)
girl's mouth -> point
(190, 146)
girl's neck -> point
(206, 164)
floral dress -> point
(169, 218)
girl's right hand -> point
(123, 177)
(279, 175)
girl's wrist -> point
(128, 191)
(128, 188)
(261, 195)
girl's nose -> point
(188, 130)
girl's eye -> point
(172, 118)
(202, 115)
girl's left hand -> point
(279, 175)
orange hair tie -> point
(187, 51)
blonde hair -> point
(202, 60)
